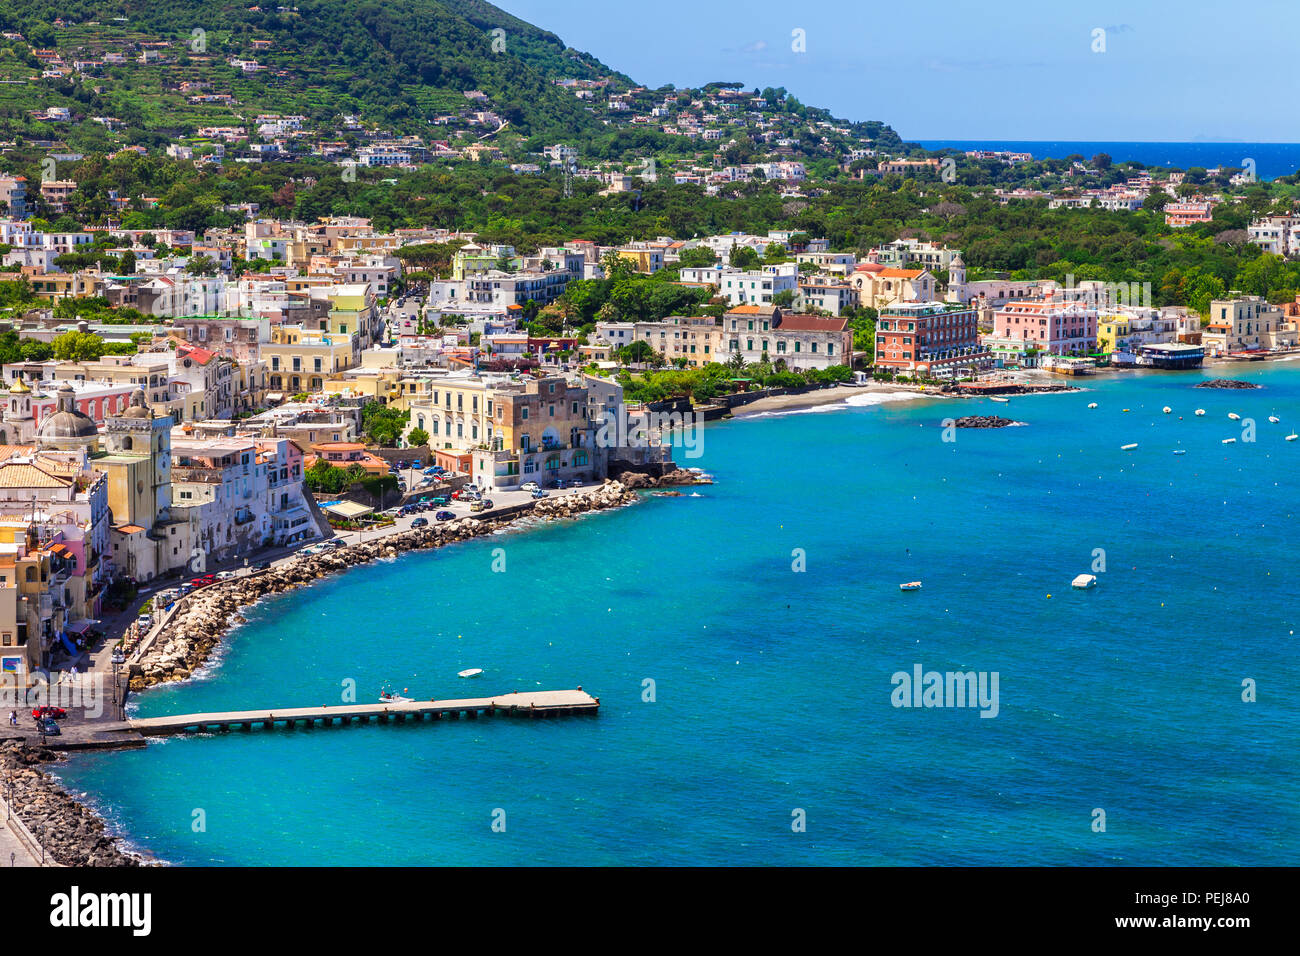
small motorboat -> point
(1128, 447)
(1200, 412)
(996, 398)
(1166, 409)
(1084, 581)
(1092, 404)
(1180, 451)
(1274, 419)
(1234, 416)
(1229, 441)
(1292, 437)
(910, 586)
(471, 672)
(388, 696)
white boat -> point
(1274, 419)
(1084, 581)
(1128, 447)
(1166, 409)
(910, 586)
(388, 696)
(1200, 411)
(1180, 451)
(1292, 437)
(1229, 441)
(995, 398)
(472, 672)
(1234, 416)
(1092, 404)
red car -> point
(47, 711)
(205, 579)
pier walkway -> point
(543, 703)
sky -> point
(1162, 70)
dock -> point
(535, 704)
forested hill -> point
(398, 64)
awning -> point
(80, 627)
(348, 509)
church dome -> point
(18, 386)
(67, 424)
(137, 408)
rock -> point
(1225, 383)
(985, 421)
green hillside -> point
(398, 65)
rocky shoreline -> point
(75, 835)
(72, 833)
(189, 638)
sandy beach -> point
(881, 392)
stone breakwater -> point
(985, 421)
(1225, 383)
(72, 834)
(192, 634)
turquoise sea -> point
(772, 687)
(1271, 159)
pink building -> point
(1061, 328)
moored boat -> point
(1084, 581)
(471, 672)
(910, 586)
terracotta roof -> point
(129, 529)
(26, 475)
(901, 273)
(202, 356)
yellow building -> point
(300, 361)
(541, 431)
(1113, 331)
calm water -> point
(772, 688)
(1271, 159)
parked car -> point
(225, 575)
(487, 502)
(416, 463)
(471, 487)
(184, 589)
(479, 505)
(420, 523)
(203, 580)
(530, 486)
(262, 566)
(539, 493)
(48, 727)
(441, 500)
(445, 515)
(433, 470)
(145, 621)
(48, 711)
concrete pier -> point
(544, 703)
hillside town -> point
(183, 407)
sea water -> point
(744, 646)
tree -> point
(77, 347)
(744, 257)
(418, 438)
(128, 263)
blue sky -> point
(1172, 70)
